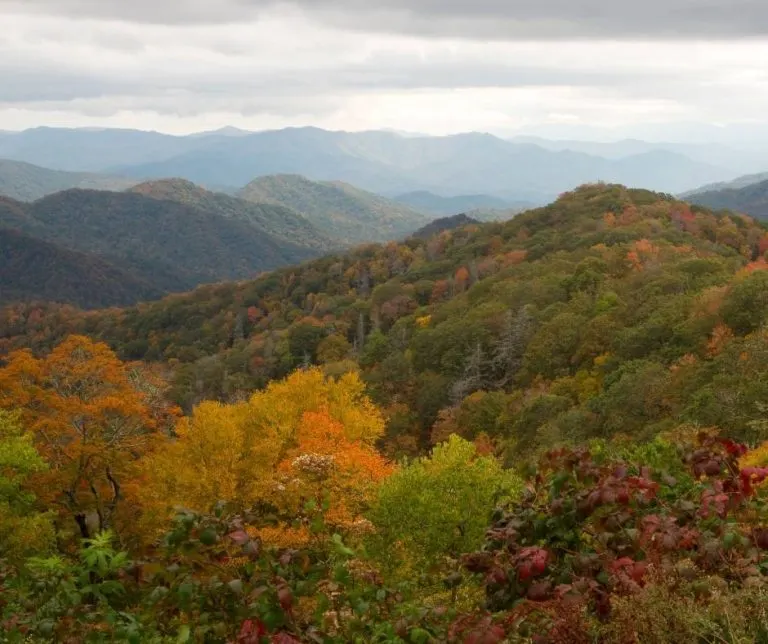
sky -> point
(430, 66)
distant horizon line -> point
(526, 133)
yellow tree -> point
(263, 451)
(90, 420)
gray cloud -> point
(497, 19)
(186, 64)
(28, 84)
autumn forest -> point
(548, 429)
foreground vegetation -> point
(548, 430)
(275, 519)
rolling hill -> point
(170, 245)
(445, 223)
(338, 209)
(598, 365)
(751, 200)
(278, 221)
(31, 269)
(27, 182)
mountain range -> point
(750, 199)
(26, 182)
(336, 208)
(426, 201)
(382, 162)
(145, 242)
(101, 247)
(735, 184)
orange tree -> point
(92, 418)
(302, 447)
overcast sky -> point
(434, 66)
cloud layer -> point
(504, 19)
(433, 65)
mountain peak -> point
(171, 190)
(444, 223)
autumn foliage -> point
(90, 421)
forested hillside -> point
(572, 319)
(278, 221)
(336, 208)
(580, 392)
(735, 184)
(438, 226)
(169, 245)
(31, 269)
(751, 199)
(26, 182)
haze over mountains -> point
(27, 182)
(383, 162)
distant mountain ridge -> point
(383, 162)
(337, 208)
(26, 182)
(735, 184)
(426, 201)
(751, 200)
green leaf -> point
(184, 634)
(208, 537)
(420, 636)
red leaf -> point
(285, 597)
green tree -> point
(438, 506)
(22, 529)
(334, 348)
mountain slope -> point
(739, 182)
(445, 223)
(609, 311)
(171, 245)
(31, 269)
(280, 222)
(336, 208)
(27, 182)
(751, 200)
(426, 201)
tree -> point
(241, 453)
(474, 377)
(89, 421)
(22, 530)
(334, 348)
(439, 505)
(508, 352)
(328, 468)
